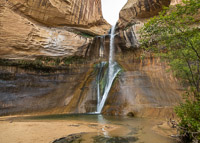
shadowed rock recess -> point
(35, 30)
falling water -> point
(101, 65)
(113, 70)
(102, 39)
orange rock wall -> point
(30, 28)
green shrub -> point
(175, 37)
(189, 114)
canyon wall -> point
(61, 28)
(83, 14)
(133, 16)
(25, 91)
(144, 88)
(139, 10)
(48, 27)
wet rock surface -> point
(79, 138)
(102, 139)
(69, 139)
(144, 88)
(24, 91)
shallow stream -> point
(128, 129)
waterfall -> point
(101, 50)
(101, 65)
(113, 70)
(111, 54)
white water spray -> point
(113, 70)
(110, 67)
(101, 53)
(102, 64)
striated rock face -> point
(62, 91)
(137, 10)
(133, 16)
(48, 27)
(144, 89)
(31, 28)
(85, 14)
(100, 46)
(127, 39)
(21, 38)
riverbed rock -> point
(96, 139)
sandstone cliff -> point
(144, 88)
(83, 14)
(48, 27)
(133, 16)
(34, 28)
(139, 10)
(29, 91)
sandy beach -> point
(45, 131)
(23, 130)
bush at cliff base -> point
(189, 114)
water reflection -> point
(102, 120)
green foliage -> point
(189, 125)
(175, 36)
(73, 59)
(128, 26)
(83, 34)
(44, 64)
(86, 35)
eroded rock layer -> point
(31, 28)
(62, 91)
(135, 10)
(132, 18)
(48, 27)
(75, 13)
(143, 89)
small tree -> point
(175, 35)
